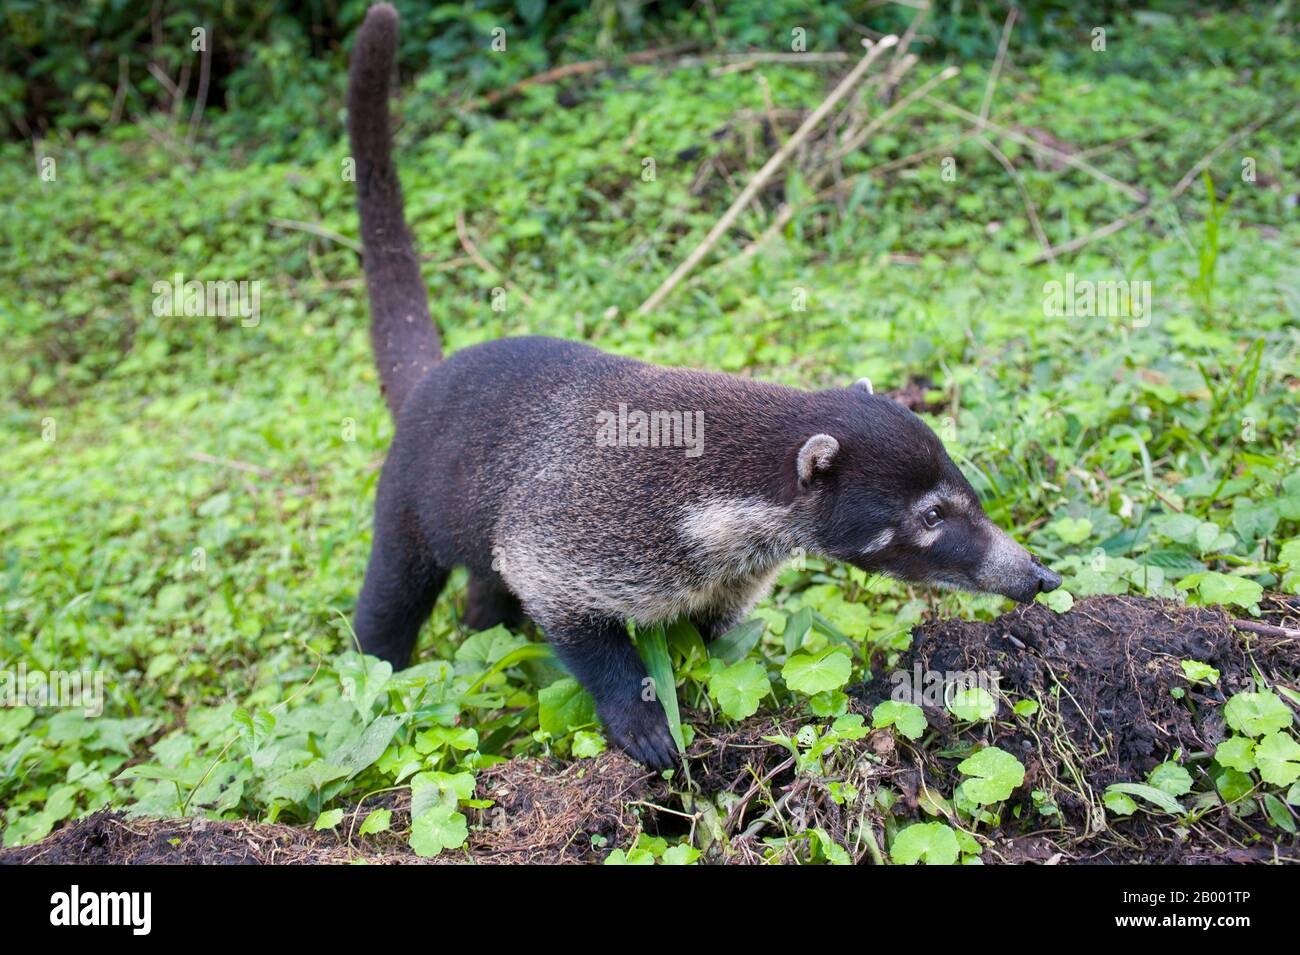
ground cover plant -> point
(186, 501)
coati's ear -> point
(866, 384)
(814, 457)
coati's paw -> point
(640, 729)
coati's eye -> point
(933, 517)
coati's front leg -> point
(599, 654)
(489, 602)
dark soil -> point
(1113, 703)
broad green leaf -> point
(563, 706)
(1071, 530)
(933, 843)
(1278, 813)
(587, 744)
(994, 774)
(1171, 778)
(1060, 600)
(1119, 804)
(681, 854)
(1256, 714)
(328, 819)
(817, 673)
(1278, 757)
(1197, 672)
(739, 688)
(442, 827)
(379, 820)
(973, 703)
(734, 645)
(368, 746)
(1236, 752)
(907, 718)
(1233, 785)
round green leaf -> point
(933, 843)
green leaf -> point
(740, 688)
(1212, 588)
(734, 645)
(933, 843)
(1236, 752)
(1171, 778)
(995, 773)
(1119, 804)
(1233, 785)
(563, 706)
(1256, 714)
(1152, 795)
(368, 746)
(816, 673)
(1194, 671)
(379, 820)
(1278, 757)
(653, 646)
(1071, 530)
(1060, 600)
(328, 819)
(681, 854)
(442, 827)
(587, 744)
(907, 718)
(636, 857)
(972, 704)
(1025, 707)
(1278, 812)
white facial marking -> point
(879, 542)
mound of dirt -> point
(1112, 701)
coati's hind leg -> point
(401, 585)
(599, 653)
(489, 602)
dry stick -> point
(1036, 146)
(787, 212)
(230, 463)
(769, 168)
(752, 60)
(1030, 209)
(201, 97)
(941, 77)
(472, 251)
(317, 230)
(991, 85)
(1267, 629)
(901, 53)
(853, 127)
(1182, 185)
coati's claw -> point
(642, 732)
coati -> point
(507, 460)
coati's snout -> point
(944, 538)
(891, 501)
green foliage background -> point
(1157, 459)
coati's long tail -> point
(404, 338)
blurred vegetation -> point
(216, 595)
